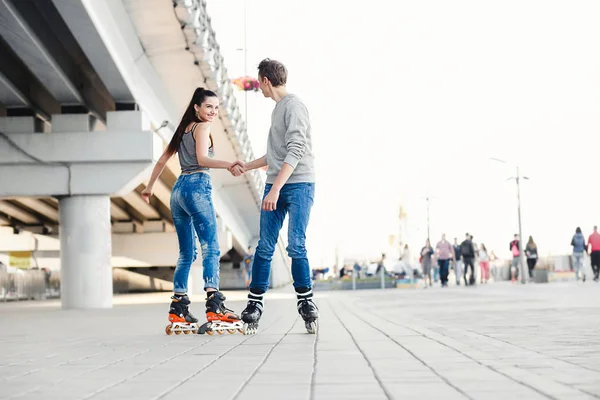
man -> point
(468, 255)
(289, 190)
(457, 261)
(248, 260)
(445, 252)
(594, 246)
(515, 249)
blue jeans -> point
(578, 264)
(444, 270)
(194, 214)
(295, 199)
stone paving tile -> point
(490, 342)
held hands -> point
(237, 168)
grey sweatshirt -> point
(290, 141)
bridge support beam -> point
(85, 252)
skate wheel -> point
(210, 332)
(187, 332)
(194, 331)
(204, 328)
(241, 331)
(231, 331)
(177, 332)
(220, 332)
(312, 327)
(250, 329)
(168, 330)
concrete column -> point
(85, 252)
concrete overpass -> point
(90, 94)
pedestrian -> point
(579, 250)
(484, 264)
(426, 254)
(515, 249)
(444, 253)
(594, 249)
(458, 263)
(248, 261)
(531, 252)
(468, 255)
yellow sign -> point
(19, 259)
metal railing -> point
(202, 42)
(27, 285)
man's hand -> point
(146, 194)
(270, 201)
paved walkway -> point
(490, 342)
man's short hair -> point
(274, 71)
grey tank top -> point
(187, 153)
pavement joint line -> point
(515, 365)
(264, 360)
(38, 388)
(474, 359)
(51, 367)
(313, 375)
(534, 351)
(49, 342)
(143, 371)
(373, 371)
(163, 394)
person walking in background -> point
(468, 255)
(579, 247)
(407, 259)
(594, 245)
(484, 264)
(444, 254)
(426, 254)
(516, 261)
(458, 267)
(476, 259)
(531, 252)
(248, 261)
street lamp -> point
(518, 179)
(245, 50)
(428, 199)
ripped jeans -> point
(194, 215)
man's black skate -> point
(251, 315)
(310, 314)
(180, 316)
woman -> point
(426, 254)
(484, 264)
(192, 208)
(579, 250)
(532, 255)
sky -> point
(411, 99)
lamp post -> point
(245, 50)
(518, 181)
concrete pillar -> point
(85, 252)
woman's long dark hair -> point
(189, 116)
